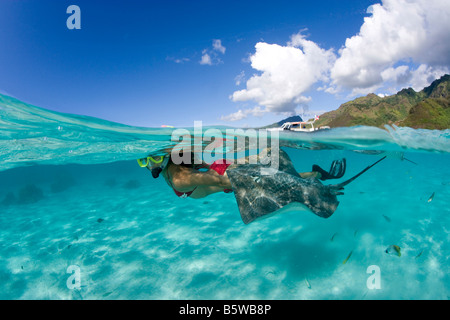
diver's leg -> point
(312, 174)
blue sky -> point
(237, 63)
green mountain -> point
(427, 109)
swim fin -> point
(341, 185)
(337, 170)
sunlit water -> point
(72, 194)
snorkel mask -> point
(155, 164)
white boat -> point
(303, 126)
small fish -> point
(431, 197)
(270, 272)
(386, 218)
(403, 158)
(308, 285)
(100, 220)
(332, 237)
(393, 250)
(354, 234)
(256, 179)
(348, 257)
(419, 254)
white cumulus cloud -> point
(242, 114)
(398, 32)
(212, 56)
(239, 78)
(206, 58)
(236, 116)
(217, 46)
(401, 43)
(286, 73)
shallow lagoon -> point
(132, 238)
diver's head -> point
(156, 164)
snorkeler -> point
(199, 181)
(189, 180)
(258, 195)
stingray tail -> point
(341, 186)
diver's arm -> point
(194, 179)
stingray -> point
(260, 195)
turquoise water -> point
(72, 194)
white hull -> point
(299, 127)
